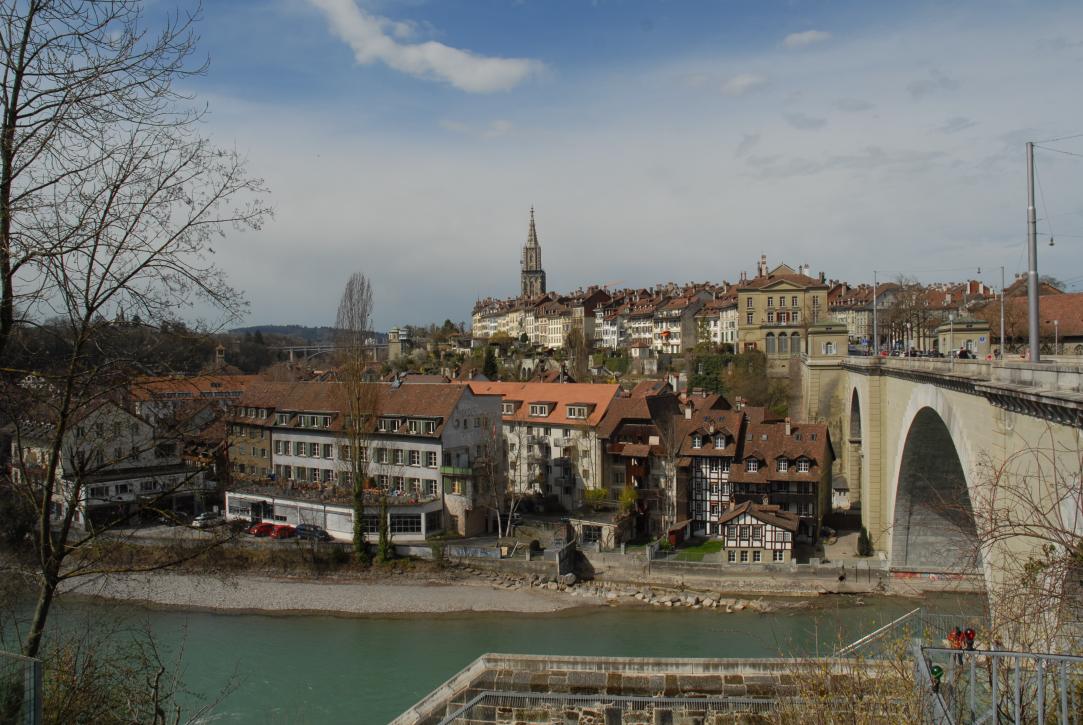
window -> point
(382, 480)
(314, 450)
(414, 426)
(344, 452)
(148, 486)
(783, 465)
(745, 532)
(370, 523)
(386, 424)
(381, 455)
(802, 465)
(778, 555)
(539, 410)
(748, 318)
(796, 317)
(362, 454)
(430, 459)
(507, 408)
(756, 556)
(282, 419)
(405, 524)
(770, 302)
(757, 533)
(399, 456)
(731, 556)
(731, 531)
(430, 487)
(415, 458)
(325, 421)
(771, 318)
(752, 465)
(725, 465)
(577, 411)
(328, 450)
(428, 427)
(697, 441)
(793, 302)
(298, 448)
(591, 534)
(744, 557)
(99, 491)
(748, 302)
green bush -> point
(864, 544)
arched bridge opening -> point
(933, 526)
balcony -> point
(456, 471)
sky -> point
(657, 140)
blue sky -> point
(659, 140)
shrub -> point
(864, 544)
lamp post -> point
(951, 338)
(875, 331)
(1056, 336)
(909, 338)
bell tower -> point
(532, 276)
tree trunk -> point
(41, 613)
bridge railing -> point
(992, 686)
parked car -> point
(262, 529)
(312, 531)
(208, 519)
(174, 518)
(283, 531)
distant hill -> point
(302, 333)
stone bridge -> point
(918, 441)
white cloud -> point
(371, 39)
(809, 37)
(740, 84)
(494, 129)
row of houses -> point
(439, 449)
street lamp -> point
(951, 338)
(1056, 336)
(909, 337)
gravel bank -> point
(244, 593)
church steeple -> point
(532, 277)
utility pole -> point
(1032, 258)
(1002, 312)
(875, 333)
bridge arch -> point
(931, 520)
(855, 453)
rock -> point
(639, 596)
(737, 607)
(568, 579)
(552, 586)
(610, 596)
(708, 602)
(669, 603)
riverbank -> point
(244, 593)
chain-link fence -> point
(20, 689)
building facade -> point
(532, 276)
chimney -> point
(738, 403)
(823, 278)
(788, 428)
(688, 411)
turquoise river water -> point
(323, 669)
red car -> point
(283, 531)
(263, 529)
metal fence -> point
(994, 686)
(919, 623)
(20, 689)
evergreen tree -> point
(864, 545)
(488, 367)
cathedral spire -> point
(532, 278)
(532, 234)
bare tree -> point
(109, 202)
(1028, 513)
(495, 489)
(353, 323)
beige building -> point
(775, 310)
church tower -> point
(533, 276)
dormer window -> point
(428, 427)
(783, 465)
(507, 408)
(539, 410)
(752, 465)
(282, 419)
(385, 425)
(414, 426)
(720, 441)
(577, 411)
(803, 465)
(697, 441)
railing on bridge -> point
(918, 623)
(20, 689)
(994, 686)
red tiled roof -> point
(562, 394)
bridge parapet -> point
(1049, 390)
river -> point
(323, 669)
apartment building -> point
(733, 456)
(422, 446)
(774, 310)
(123, 467)
(639, 435)
(550, 435)
(674, 328)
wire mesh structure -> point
(993, 686)
(20, 689)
